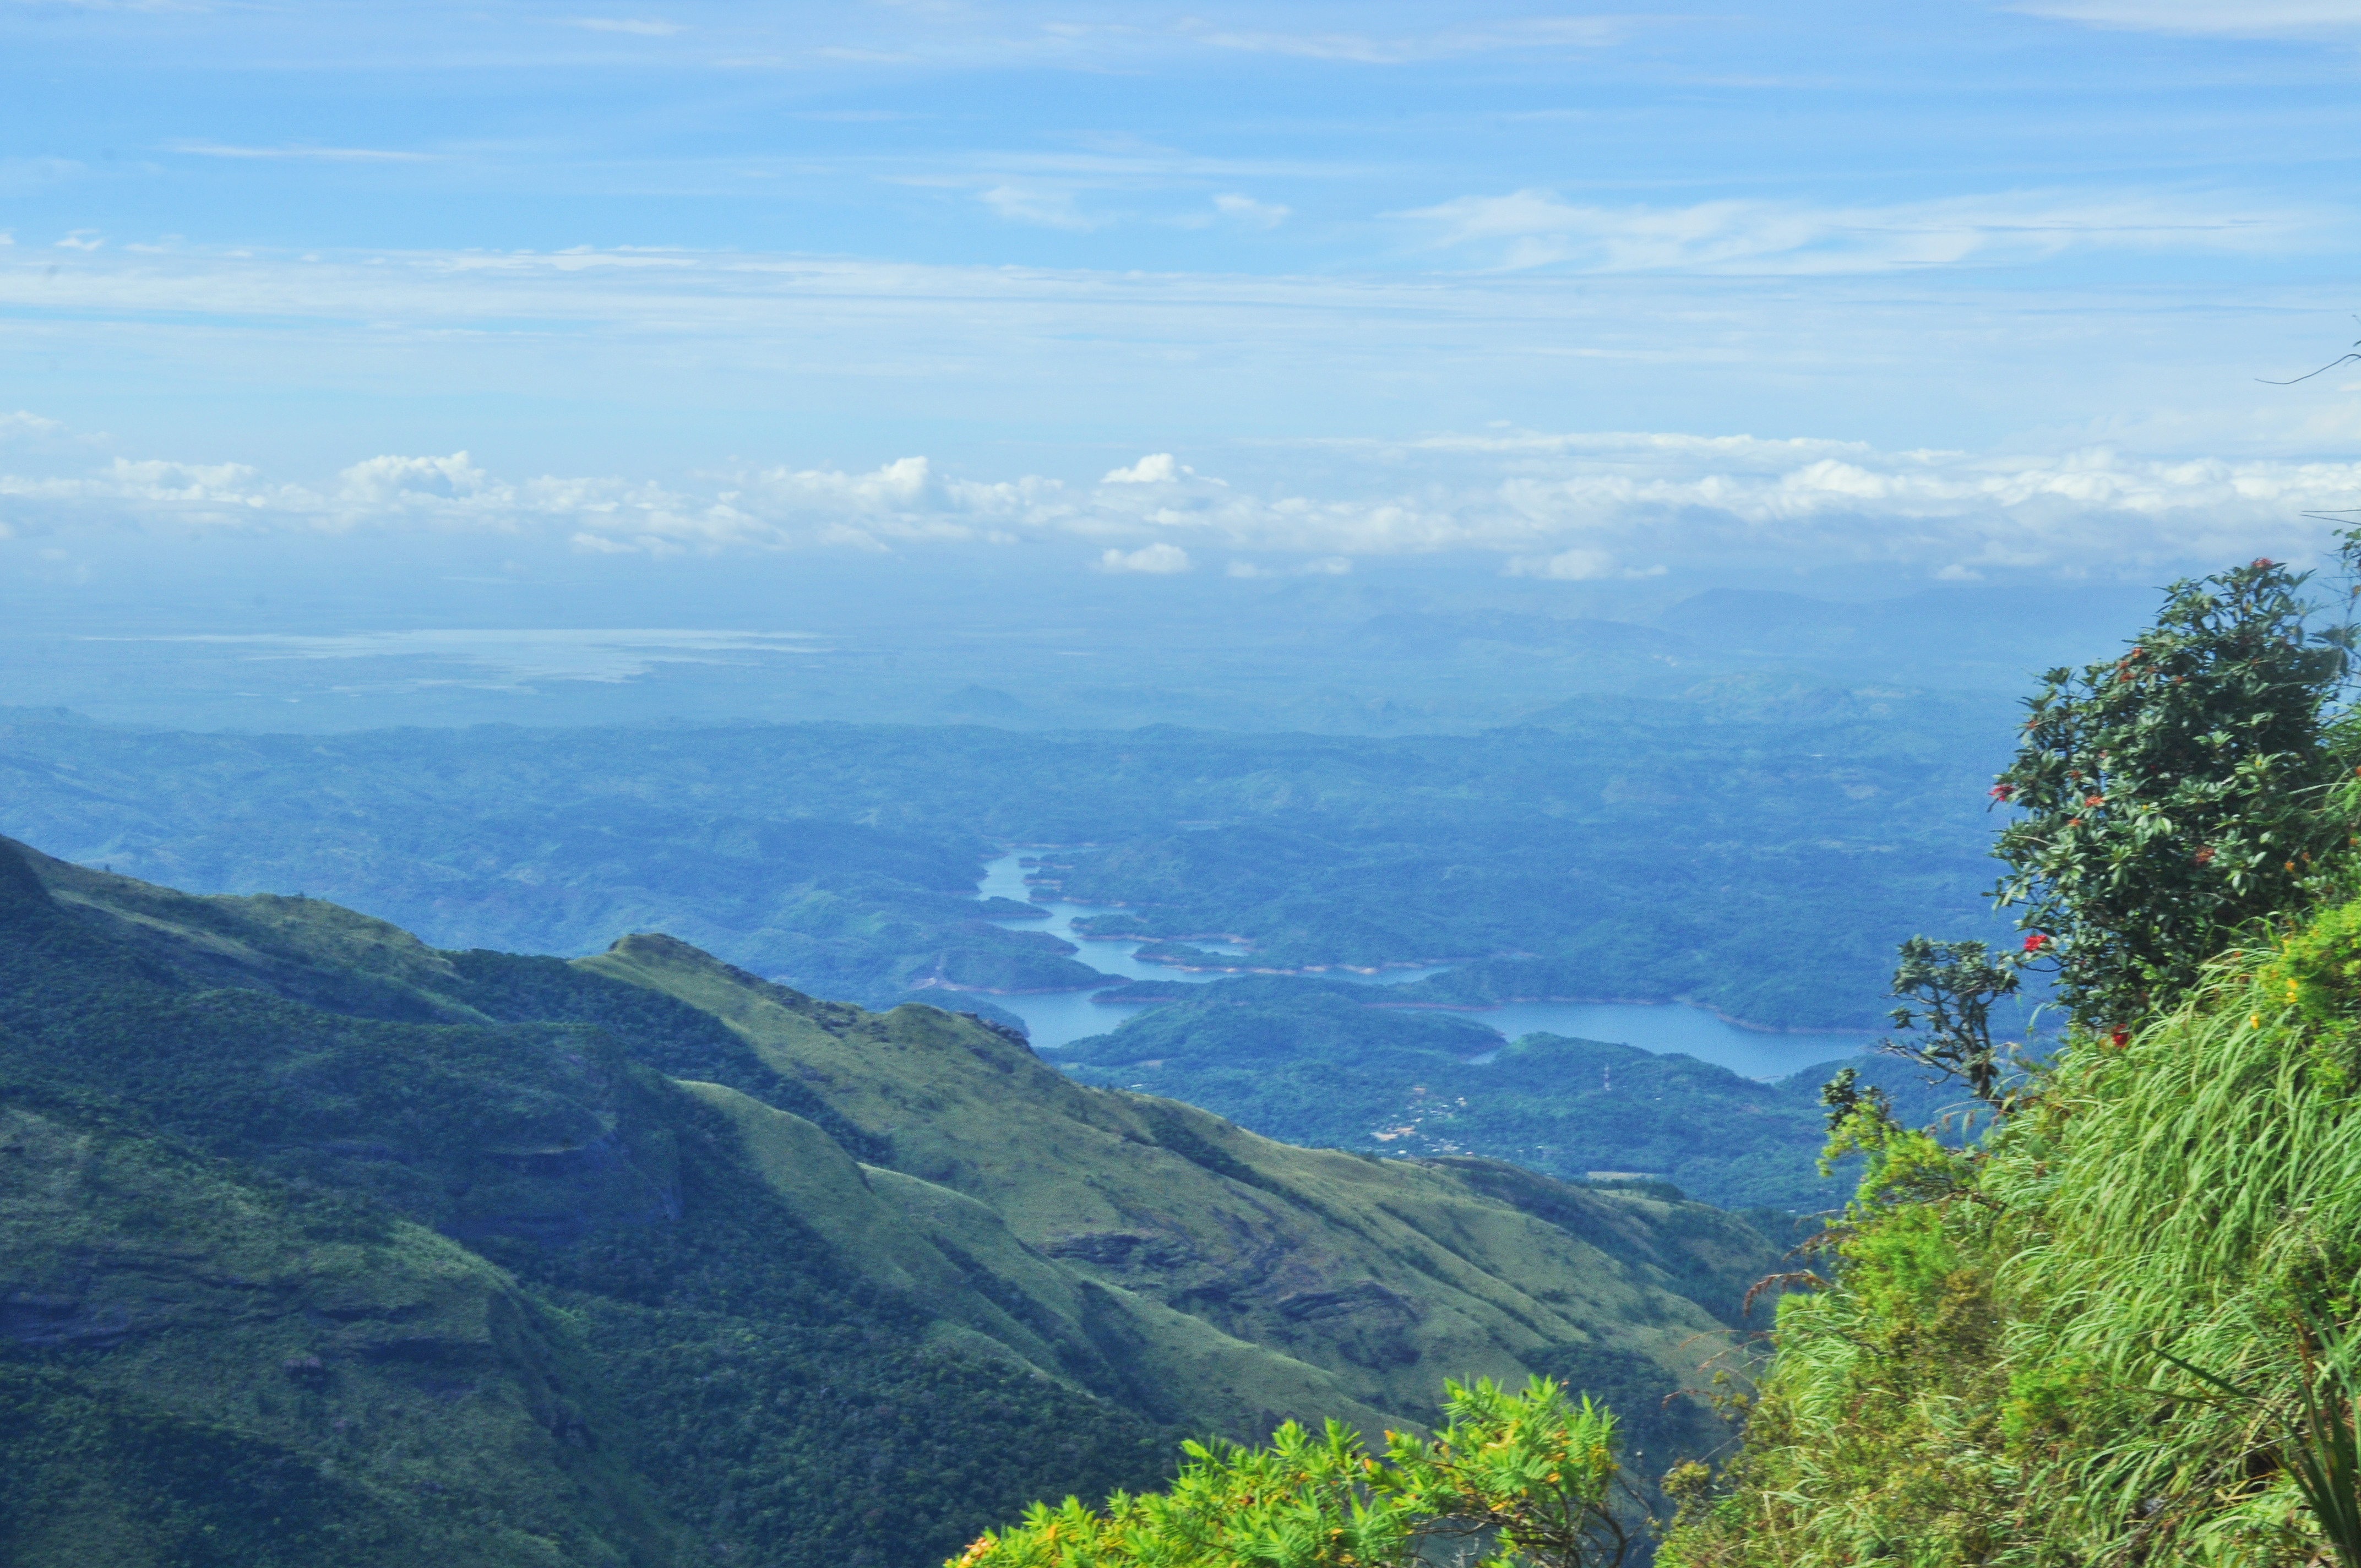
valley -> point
(1054, 1020)
(870, 865)
(1763, 873)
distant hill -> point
(319, 1246)
(1426, 634)
(1758, 847)
(1314, 1062)
(1955, 636)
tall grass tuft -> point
(2187, 1202)
(2116, 1340)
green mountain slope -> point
(212, 1369)
(640, 1259)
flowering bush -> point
(2175, 793)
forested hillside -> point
(319, 1246)
(1757, 848)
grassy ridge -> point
(2000, 1375)
(1378, 1273)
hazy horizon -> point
(767, 319)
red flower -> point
(2002, 791)
(2119, 1037)
(2261, 562)
(2036, 942)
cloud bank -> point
(1561, 507)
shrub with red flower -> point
(2162, 799)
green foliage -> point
(662, 1032)
(2326, 1453)
(2173, 796)
(2122, 1331)
(1950, 988)
(92, 1475)
(2320, 966)
(843, 1444)
(1529, 1477)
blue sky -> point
(1942, 291)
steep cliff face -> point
(640, 1256)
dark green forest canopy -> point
(320, 1246)
(1760, 853)
(180, 1147)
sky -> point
(676, 301)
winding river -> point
(1058, 1018)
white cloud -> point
(1211, 353)
(1536, 228)
(1405, 49)
(2206, 482)
(626, 24)
(22, 424)
(2234, 19)
(1251, 213)
(1155, 468)
(1564, 507)
(1324, 566)
(321, 154)
(510, 657)
(1046, 206)
(1156, 559)
(381, 480)
(1577, 566)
